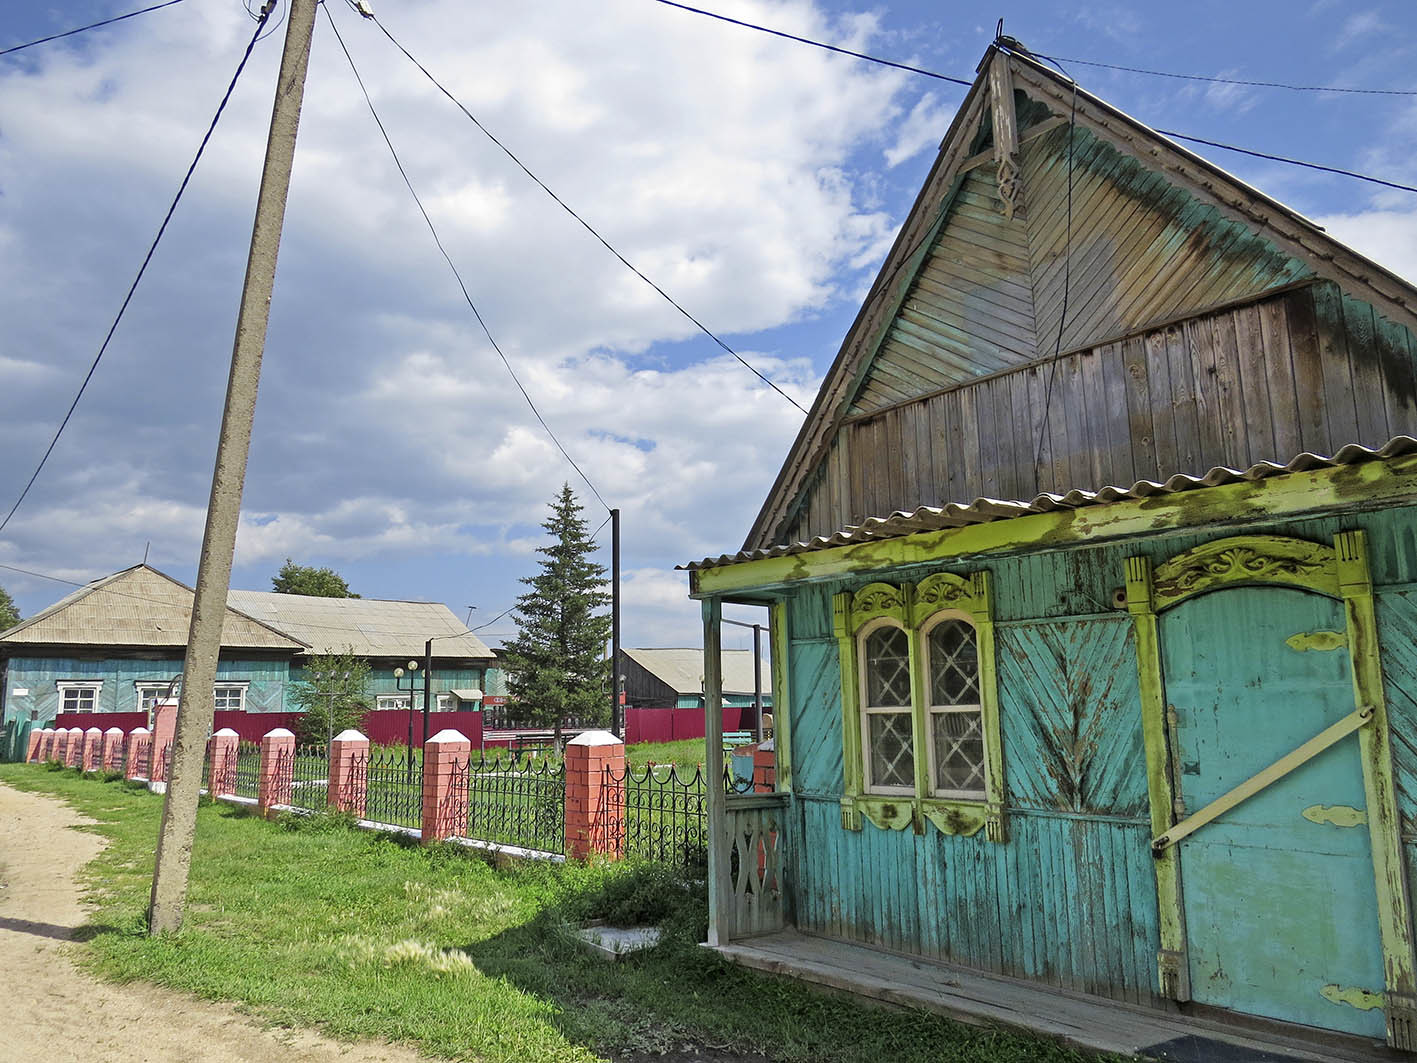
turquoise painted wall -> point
(265, 692)
(1070, 898)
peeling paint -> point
(1362, 999)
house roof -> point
(1160, 170)
(682, 669)
(366, 627)
(982, 510)
(138, 607)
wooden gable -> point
(1205, 325)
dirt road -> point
(56, 1013)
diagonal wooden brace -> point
(1257, 782)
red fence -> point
(671, 725)
(385, 727)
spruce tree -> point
(557, 667)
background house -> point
(674, 678)
(114, 646)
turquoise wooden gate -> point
(1280, 905)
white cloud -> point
(1389, 237)
(922, 129)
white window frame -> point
(142, 687)
(380, 701)
(238, 685)
(868, 710)
(79, 687)
(933, 710)
(444, 703)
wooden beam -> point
(1005, 123)
(720, 883)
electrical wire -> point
(451, 265)
(585, 224)
(143, 268)
(818, 44)
(1229, 81)
(90, 26)
(1291, 162)
(489, 623)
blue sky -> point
(758, 181)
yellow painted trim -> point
(778, 636)
(1244, 559)
(1370, 485)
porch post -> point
(719, 881)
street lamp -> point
(412, 679)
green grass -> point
(310, 922)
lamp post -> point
(412, 682)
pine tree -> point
(557, 667)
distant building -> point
(116, 644)
(674, 678)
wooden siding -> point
(1070, 898)
(990, 294)
(1305, 369)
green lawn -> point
(309, 922)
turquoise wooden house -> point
(1093, 585)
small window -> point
(149, 694)
(391, 701)
(445, 703)
(889, 741)
(79, 696)
(229, 698)
(956, 717)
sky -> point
(758, 181)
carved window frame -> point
(867, 710)
(917, 607)
(975, 708)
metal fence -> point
(144, 755)
(248, 769)
(521, 804)
(394, 794)
(665, 814)
(310, 778)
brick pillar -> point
(445, 758)
(92, 758)
(349, 772)
(46, 745)
(34, 746)
(221, 774)
(164, 731)
(74, 749)
(277, 761)
(111, 760)
(765, 768)
(595, 805)
(138, 739)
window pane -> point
(959, 750)
(887, 667)
(954, 664)
(892, 763)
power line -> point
(1291, 162)
(451, 265)
(819, 44)
(1040, 55)
(1228, 81)
(489, 623)
(265, 14)
(90, 26)
(585, 224)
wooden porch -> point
(1086, 1022)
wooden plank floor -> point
(1088, 1022)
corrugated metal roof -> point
(683, 669)
(139, 606)
(367, 627)
(982, 510)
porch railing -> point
(753, 834)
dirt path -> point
(57, 1013)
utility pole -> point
(617, 719)
(195, 710)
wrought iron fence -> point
(515, 803)
(310, 777)
(394, 794)
(165, 759)
(207, 767)
(665, 814)
(144, 755)
(248, 769)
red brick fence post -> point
(595, 797)
(40, 750)
(33, 746)
(445, 766)
(349, 772)
(277, 762)
(164, 731)
(221, 774)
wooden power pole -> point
(195, 711)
